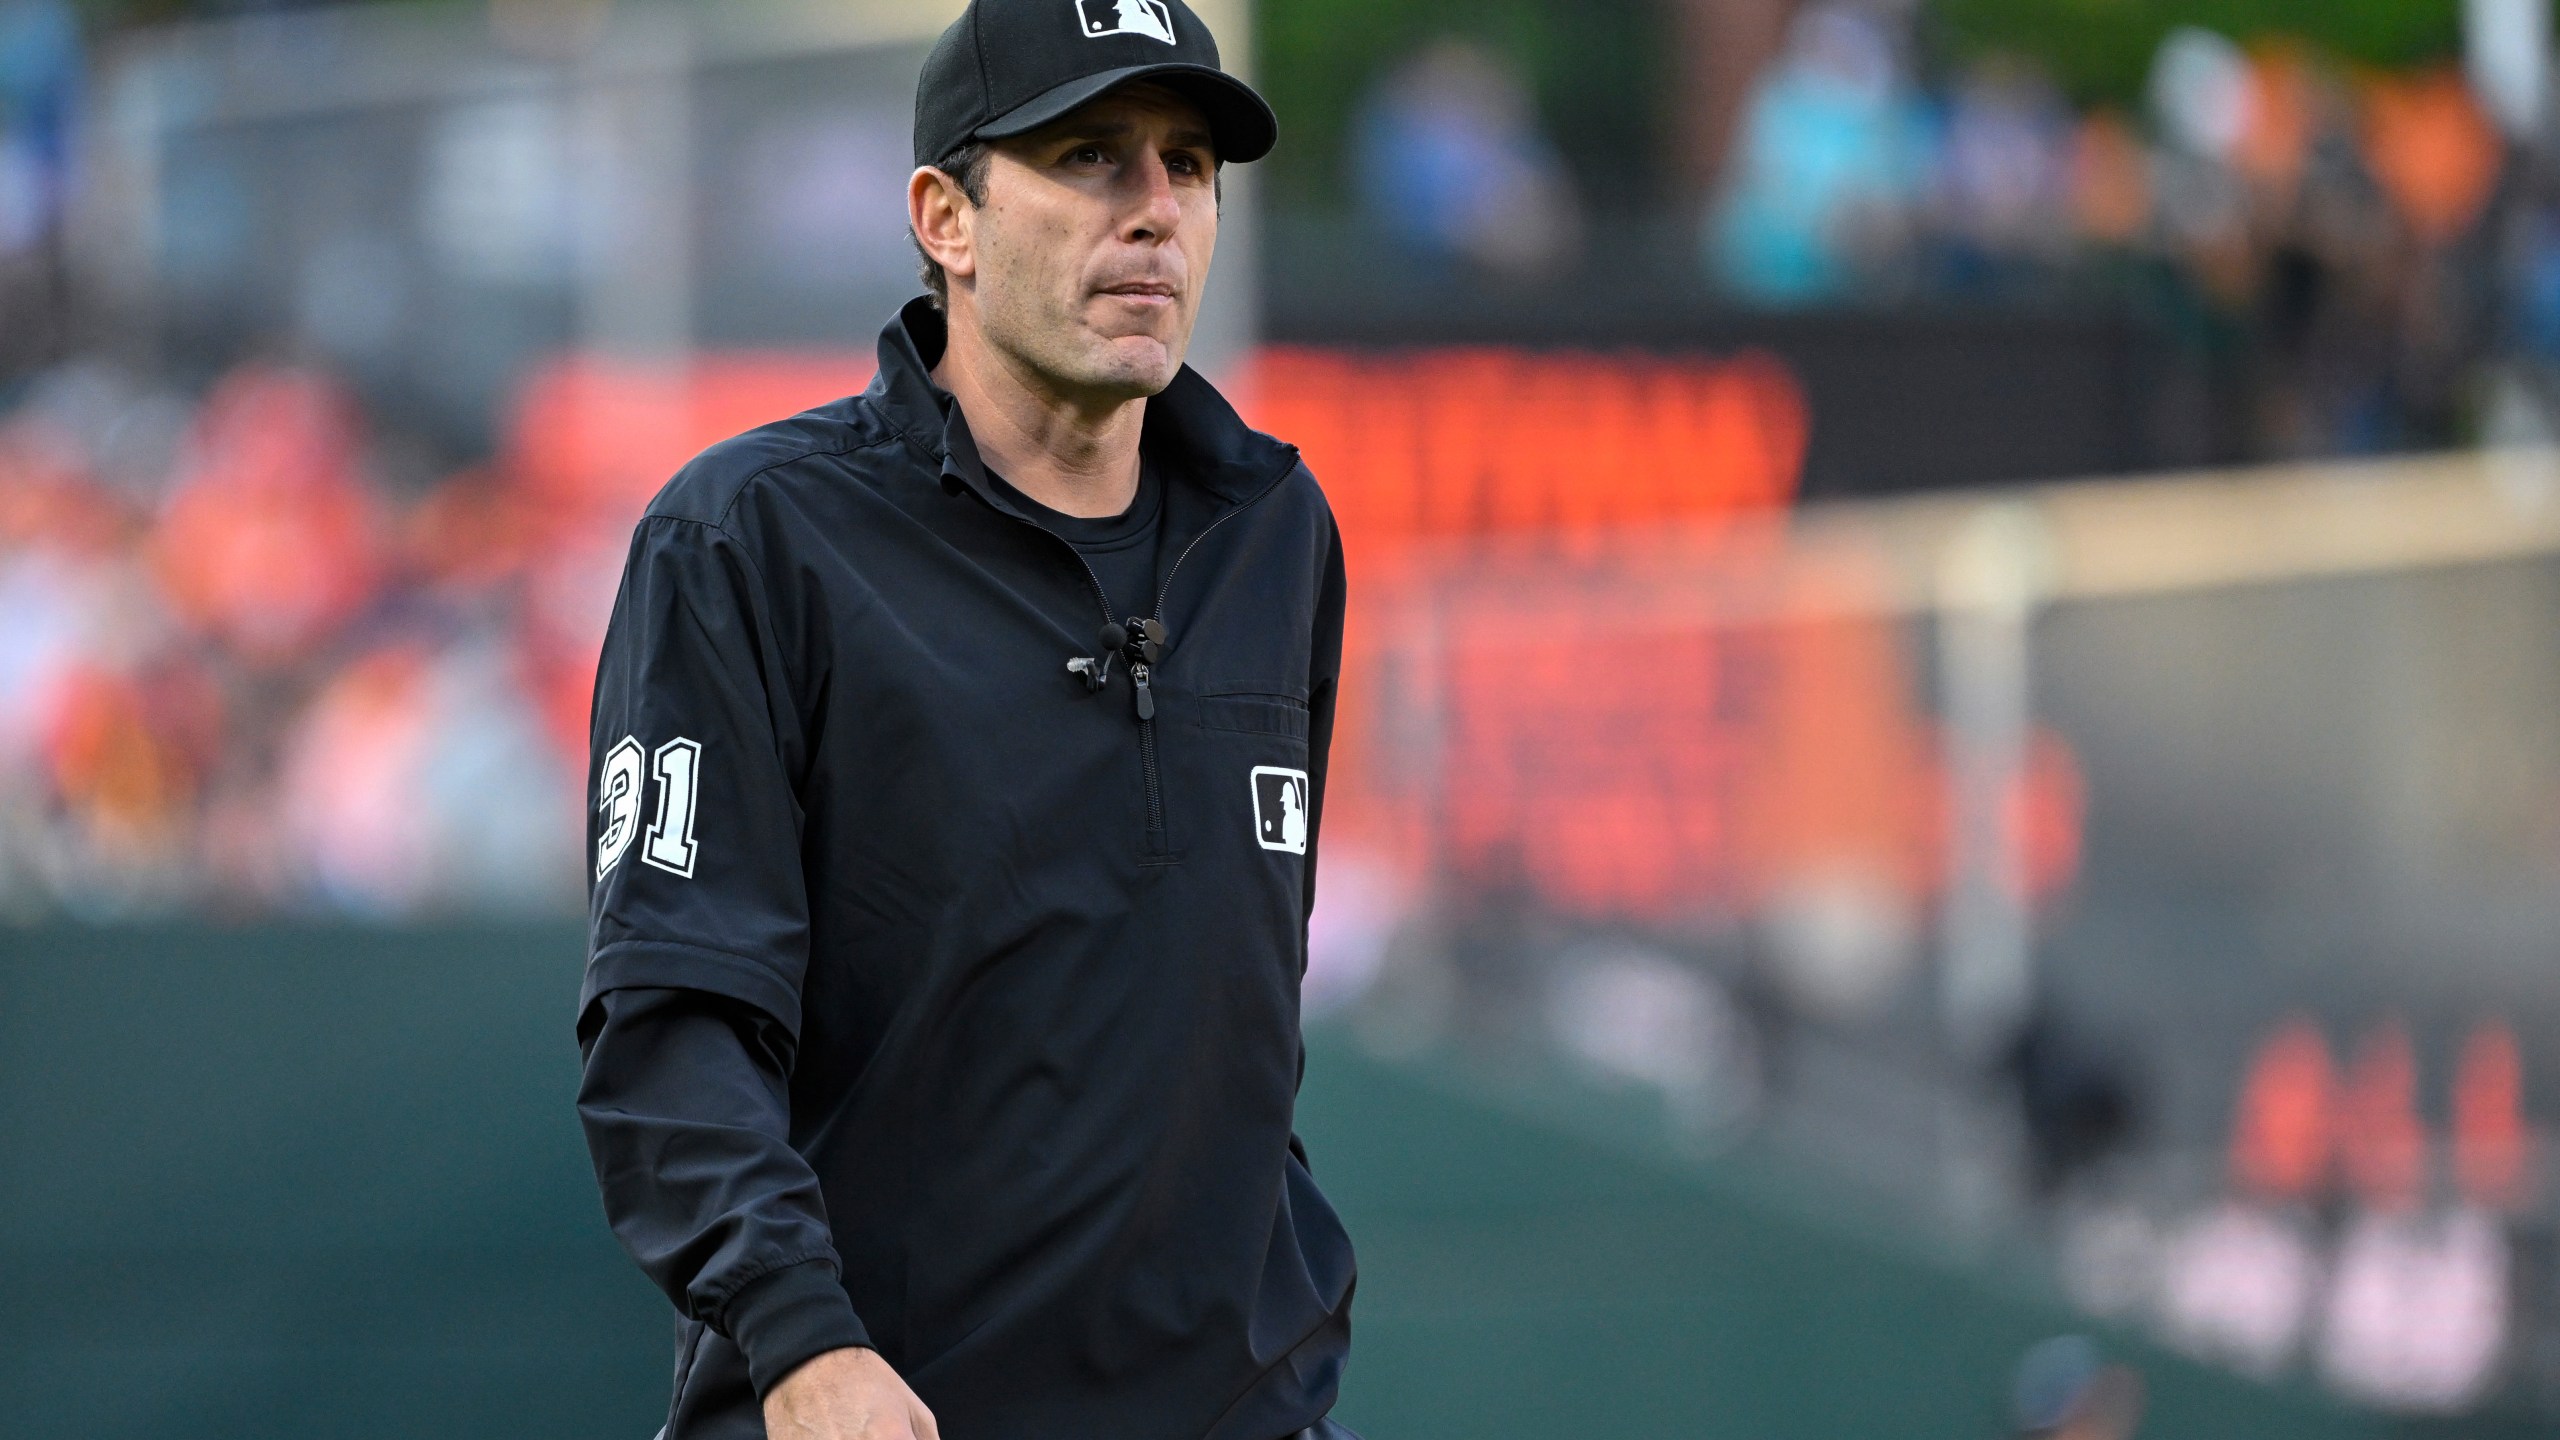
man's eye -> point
(1086, 155)
(1183, 164)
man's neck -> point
(1077, 458)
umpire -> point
(959, 759)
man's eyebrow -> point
(1095, 130)
(1188, 139)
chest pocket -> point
(1253, 708)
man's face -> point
(1087, 262)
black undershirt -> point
(1121, 548)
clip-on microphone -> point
(1095, 670)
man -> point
(960, 755)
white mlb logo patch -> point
(1280, 808)
(1126, 17)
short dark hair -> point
(967, 166)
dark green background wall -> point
(328, 1183)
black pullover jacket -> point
(938, 999)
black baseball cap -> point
(1008, 67)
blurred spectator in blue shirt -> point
(39, 90)
(39, 83)
(2004, 175)
(1832, 152)
(1451, 163)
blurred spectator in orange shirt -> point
(270, 542)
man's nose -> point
(1154, 210)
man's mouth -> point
(1140, 290)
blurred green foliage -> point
(1600, 71)
(2100, 50)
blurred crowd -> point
(2349, 244)
(259, 655)
(2334, 221)
(250, 667)
(2353, 1235)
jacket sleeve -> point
(698, 943)
(685, 1101)
(1324, 679)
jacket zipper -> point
(1142, 673)
(1139, 671)
(1138, 674)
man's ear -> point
(942, 218)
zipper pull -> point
(1149, 636)
(1146, 696)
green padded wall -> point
(282, 1183)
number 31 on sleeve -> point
(677, 769)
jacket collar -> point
(1191, 432)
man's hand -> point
(846, 1395)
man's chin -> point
(1137, 366)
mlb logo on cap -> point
(1009, 67)
(1280, 808)
(1127, 17)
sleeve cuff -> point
(783, 1320)
(674, 965)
